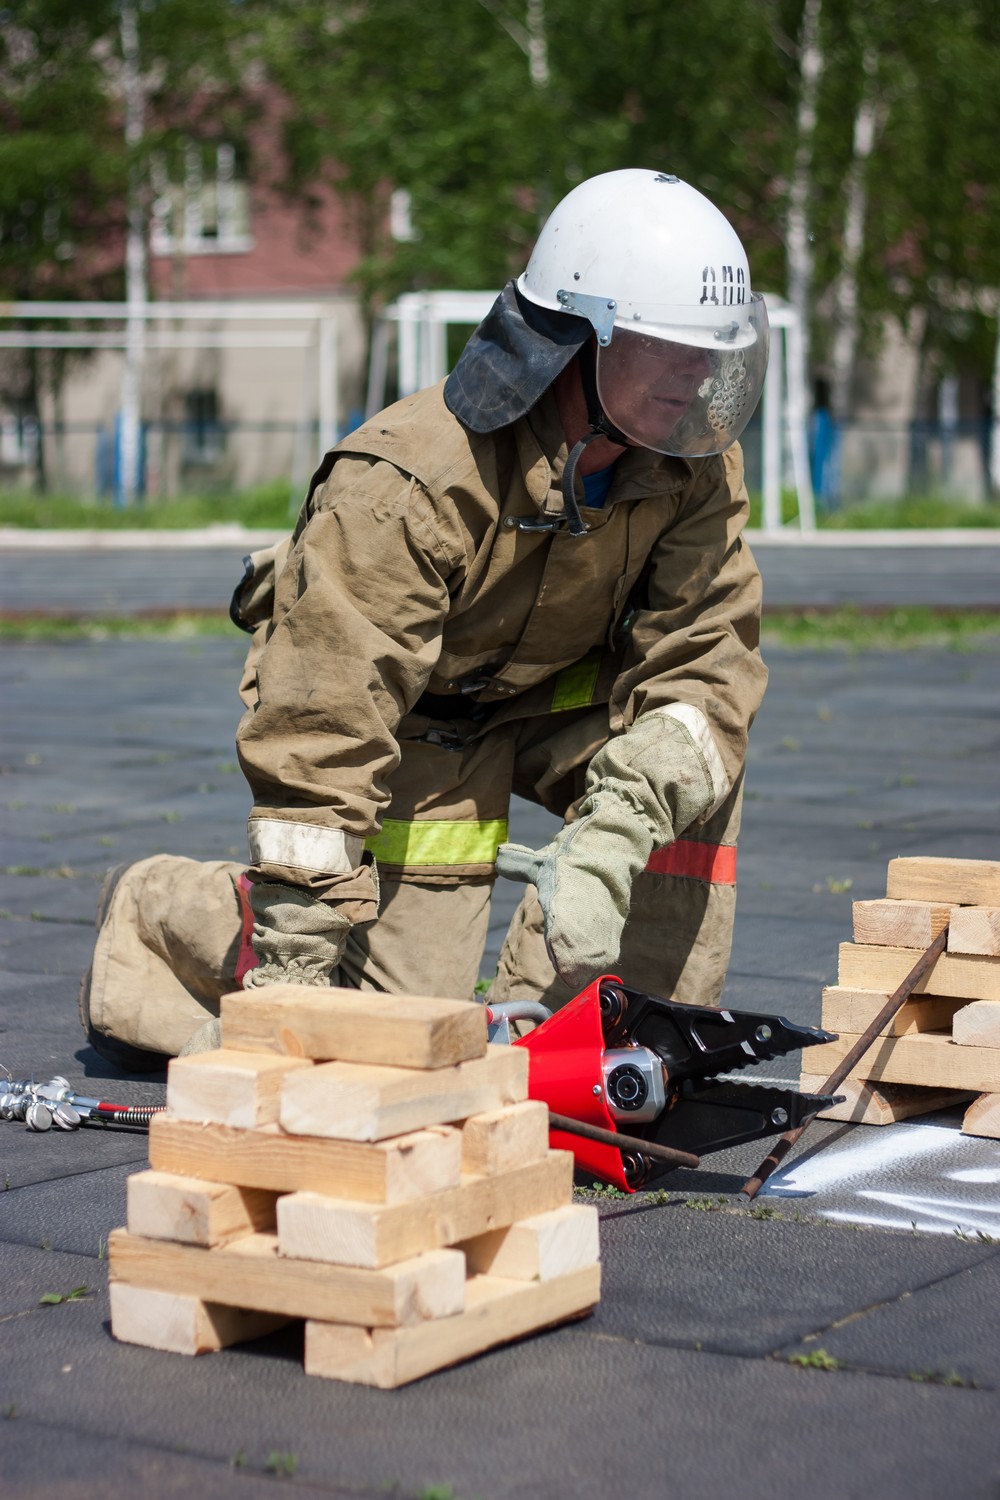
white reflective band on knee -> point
(694, 721)
(303, 846)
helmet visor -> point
(682, 398)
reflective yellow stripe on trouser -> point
(438, 842)
(574, 686)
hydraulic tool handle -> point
(623, 1142)
(895, 1001)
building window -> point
(208, 213)
(204, 435)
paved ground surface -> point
(104, 574)
(682, 1382)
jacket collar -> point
(543, 451)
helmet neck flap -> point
(508, 364)
(511, 360)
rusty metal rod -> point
(623, 1142)
(782, 1147)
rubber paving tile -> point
(29, 1273)
(623, 1402)
(77, 1465)
(945, 1330)
(72, 1214)
(732, 1283)
(571, 1413)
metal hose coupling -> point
(54, 1106)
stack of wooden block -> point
(943, 1047)
(365, 1163)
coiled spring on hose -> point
(54, 1105)
(134, 1114)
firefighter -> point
(529, 578)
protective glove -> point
(298, 939)
(643, 789)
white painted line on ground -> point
(876, 1221)
(948, 536)
(220, 534)
(975, 1174)
(839, 1164)
(930, 1215)
(951, 1213)
(24, 539)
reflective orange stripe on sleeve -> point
(715, 863)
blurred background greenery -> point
(851, 142)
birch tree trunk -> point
(867, 122)
(797, 228)
(995, 422)
(800, 257)
(130, 438)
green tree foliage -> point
(438, 99)
(64, 165)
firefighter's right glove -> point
(297, 939)
(644, 788)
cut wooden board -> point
(251, 1273)
(899, 924)
(975, 929)
(960, 882)
(855, 1010)
(354, 1026)
(977, 1025)
(540, 1248)
(930, 1059)
(180, 1324)
(958, 975)
(396, 1171)
(505, 1138)
(881, 1103)
(983, 1117)
(162, 1206)
(317, 1228)
(497, 1311)
(352, 1101)
(229, 1088)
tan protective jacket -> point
(407, 575)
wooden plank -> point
(931, 1059)
(314, 1227)
(497, 1311)
(855, 1010)
(961, 882)
(251, 1273)
(899, 924)
(975, 929)
(396, 1171)
(983, 1117)
(162, 1206)
(881, 1103)
(354, 1026)
(540, 1248)
(977, 1025)
(958, 975)
(181, 1324)
(229, 1088)
(352, 1101)
(505, 1138)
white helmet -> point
(661, 276)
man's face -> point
(648, 385)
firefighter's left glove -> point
(644, 788)
(297, 939)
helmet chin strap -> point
(600, 427)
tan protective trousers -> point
(169, 937)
